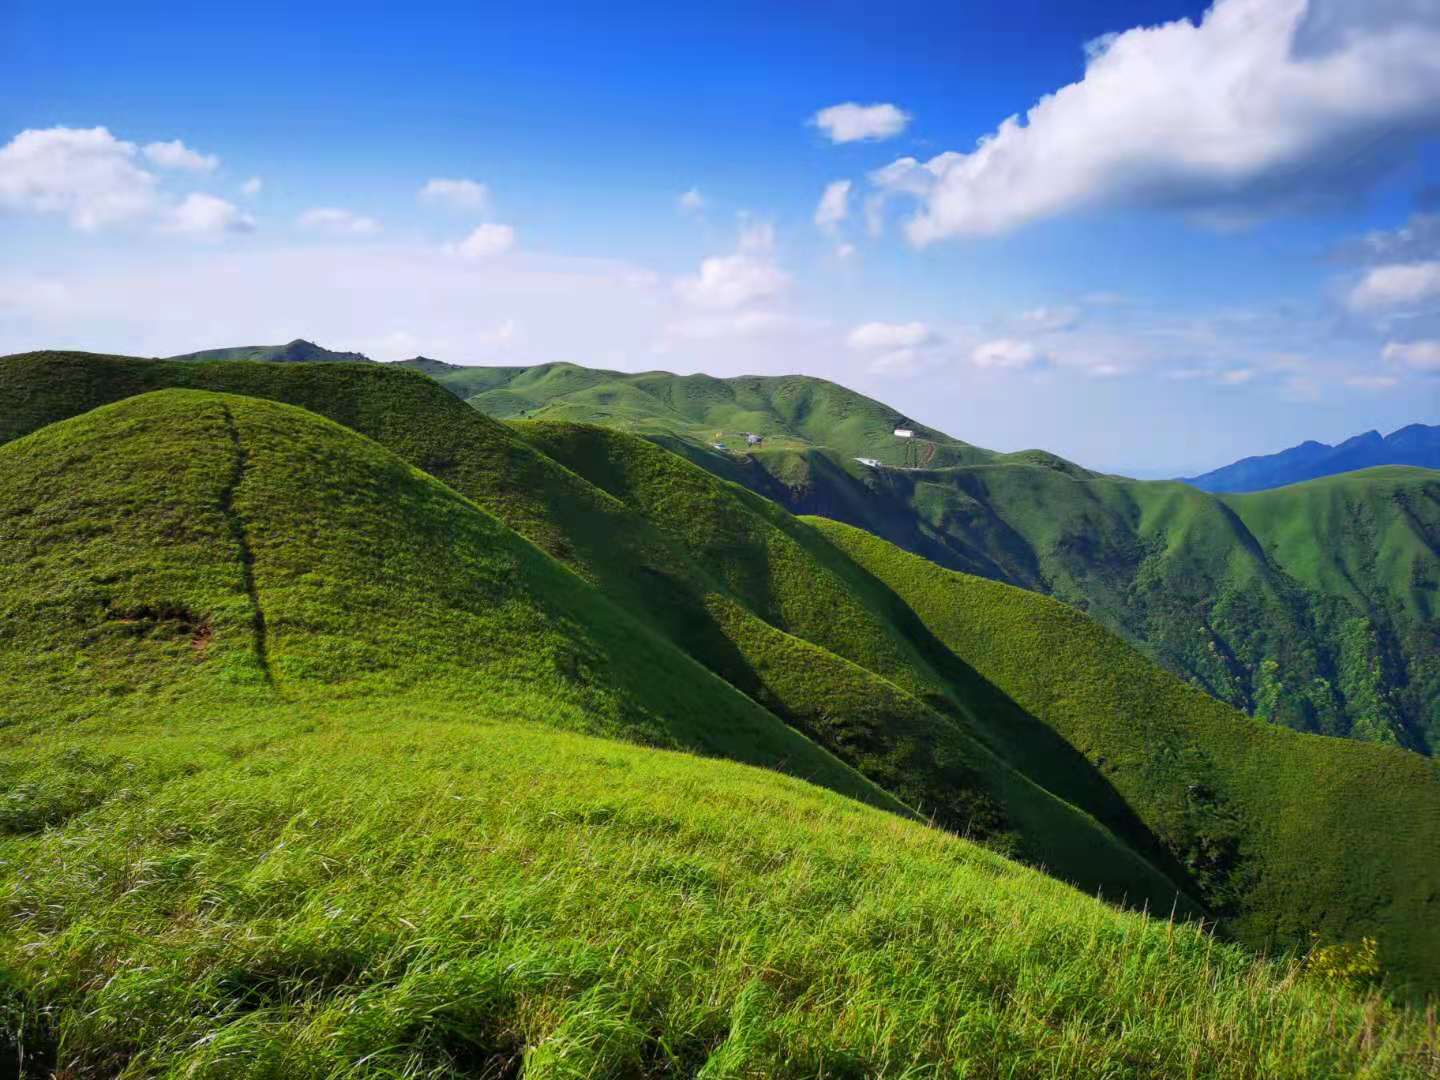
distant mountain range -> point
(1416, 444)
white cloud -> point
(1235, 376)
(485, 242)
(337, 221)
(1263, 105)
(207, 216)
(1414, 355)
(875, 215)
(743, 324)
(1371, 382)
(458, 194)
(732, 281)
(691, 202)
(756, 237)
(855, 123)
(252, 187)
(1051, 319)
(1396, 285)
(1008, 354)
(844, 251)
(85, 174)
(1106, 370)
(834, 205)
(881, 335)
(176, 155)
(901, 362)
(95, 181)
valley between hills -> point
(423, 720)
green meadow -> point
(351, 732)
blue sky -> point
(1218, 232)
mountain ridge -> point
(1414, 444)
(809, 629)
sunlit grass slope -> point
(1272, 820)
(824, 643)
(717, 571)
(342, 889)
(197, 549)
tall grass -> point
(395, 889)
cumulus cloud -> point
(207, 216)
(750, 275)
(851, 122)
(252, 187)
(1008, 354)
(85, 174)
(461, 194)
(1423, 356)
(95, 181)
(882, 335)
(337, 221)
(834, 205)
(176, 155)
(691, 202)
(1396, 285)
(485, 242)
(732, 281)
(1262, 105)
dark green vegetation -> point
(1414, 444)
(1318, 612)
(298, 351)
(299, 770)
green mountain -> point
(1316, 609)
(296, 352)
(342, 728)
(1414, 444)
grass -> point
(184, 546)
(314, 766)
(788, 410)
(1258, 609)
(669, 544)
(1268, 821)
(395, 889)
(787, 628)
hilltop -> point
(298, 351)
(1415, 444)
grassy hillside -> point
(325, 891)
(185, 543)
(792, 411)
(821, 641)
(294, 785)
(773, 573)
(1253, 802)
(1261, 614)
